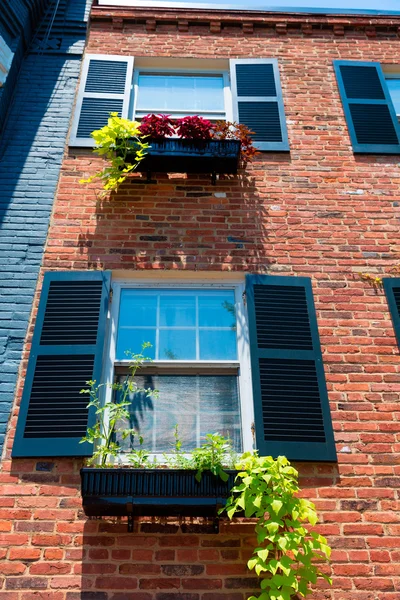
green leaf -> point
(276, 506)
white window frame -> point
(226, 116)
(242, 363)
(392, 76)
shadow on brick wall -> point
(183, 223)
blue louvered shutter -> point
(291, 409)
(105, 87)
(368, 108)
(258, 102)
(66, 352)
(392, 290)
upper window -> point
(247, 91)
(180, 94)
(368, 105)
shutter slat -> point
(263, 119)
(105, 87)
(368, 108)
(67, 349)
(258, 102)
(392, 290)
(290, 399)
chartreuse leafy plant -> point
(288, 556)
(111, 418)
(214, 455)
(117, 141)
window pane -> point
(131, 340)
(394, 89)
(217, 309)
(179, 324)
(217, 344)
(180, 93)
(198, 404)
(178, 310)
(137, 309)
(177, 344)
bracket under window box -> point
(174, 155)
(153, 492)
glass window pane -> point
(137, 309)
(131, 340)
(217, 309)
(217, 344)
(178, 310)
(180, 92)
(394, 89)
(198, 404)
(177, 344)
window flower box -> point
(152, 492)
(173, 155)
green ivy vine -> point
(288, 556)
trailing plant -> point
(288, 555)
(226, 130)
(115, 141)
(111, 417)
(214, 455)
(156, 126)
(194, 128)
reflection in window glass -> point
(394, 89)
(180, 93)
(198, 404)
(180, 324)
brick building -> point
(317, 206)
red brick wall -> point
(319, 211)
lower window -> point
(199, 363)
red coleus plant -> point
(225, 130)
(157, 126)
(194, 128)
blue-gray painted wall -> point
(31, 151)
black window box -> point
(191, 156)
(153, 492)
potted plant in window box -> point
(197, 485)
(194, 145)
(287, 557)
(159, 144)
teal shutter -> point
(368, 108)
(66, 352)
(291, 408)
(106, 84)
(258, 102)
(392, 290)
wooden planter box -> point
(152, 492)
(191, 156)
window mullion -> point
(198, 414)
(197, 329)
(157, 351)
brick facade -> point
(321, 212)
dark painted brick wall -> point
(31, 151)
